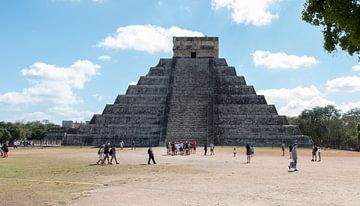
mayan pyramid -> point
(193, 96)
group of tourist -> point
(316, 153)
(4, 149)
(108, 154)
(180, 148)
(105, 152)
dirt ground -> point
(191, 180)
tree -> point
(4, 135)
(323, 124)
(341, 22)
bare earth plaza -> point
(70, 176)
(259, 108)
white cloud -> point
(344, 84)
(348, 106)
(281, 60)
(148, 38)
(255, 12)
(52, 84)
(104, 58)
(72, 113)
(292, 102)
(356, 67)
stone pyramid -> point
(194, 96)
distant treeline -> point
(10, 132)
(328, 127)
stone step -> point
(265, 140)
(190, 99)
(147, 89)
(225, 70)
(120, 129)
(230, 80)
(164, 62)
(231, 119)
(258, 129)
(126, 119)
(140, 99)
(133, 109)
(243, 109)
(240, 99)
(153, 80)
(158, 71)
(235, 89)
(220, 62)
(113, 139)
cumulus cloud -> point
(104, 58)
(148, 38)
(255, 12)
(52, 84)
(344, 84)
(281, 60)
(348, 106)
(356, 67)
(292, 102)
(72, 113)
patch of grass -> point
(42, 176)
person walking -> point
(107, 152)
(133, 145)
(248, 153)
(283, 149)
(5, 150)
(212, 148)
(314, 153)
(113, 154)
(151, 155)
(319, 153)
(1, 150)
(234, 151)
(294, 156)
(205, 149)
(101, 155)
(290, 149)
(194, 147)
(122, 145)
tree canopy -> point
(341, 22)
(10, 132)
(328, 127)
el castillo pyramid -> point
(193, 96)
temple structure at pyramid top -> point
(196, 47)
(193, 96)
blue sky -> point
(65, 59)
